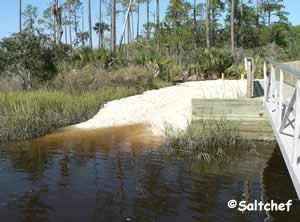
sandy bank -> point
(171, 105)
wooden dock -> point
(248, 115)
(276, 113)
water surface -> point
(121, 174)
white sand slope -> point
(171, 105)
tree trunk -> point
(128, 29)
(125, 23)
(208, 23)
(194, 16)
(82, 19)
(25, 75)
(113, 26)
(132, 25)
(82, 28)
(138, 22)
(70, 27)
(212, 20)
(232, 25)
(54, 21)
(158, 23)
(148, 21)
(66, 31)
(58, 18)
(242, 9)
(20, 16)
(157, 14)
(100, 21)
(195, 24)
(90, 24)
(75, 25)
(257, 12)
(102, 38)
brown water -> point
(120, 174)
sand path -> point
(171, 105)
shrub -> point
(214, 61)
(92, 78)
(31, 56)
(103, 58)
(235, 71)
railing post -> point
(296, 145)
(265, 81)
(249, 64)
(280, 98)
(272, 79)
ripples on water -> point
(120, 174)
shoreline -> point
(171, 106)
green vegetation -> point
(71, 97)
(53, 54)
(207, 140)
(28, 114)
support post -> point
(296, 145)
(265, 81)
(280, 99)
(249, 65)
(272, 94)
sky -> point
(9, 13)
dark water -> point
(121, 175)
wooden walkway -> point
(282, 102)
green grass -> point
(206, 139)
(28, 114)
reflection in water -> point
(120, 174)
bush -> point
(214, 61)
(102, 58)
(235, 71)
(31, 56)
(93, 78)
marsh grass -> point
(204, 139)
(34, 113)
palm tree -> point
(232, 24)
(100, 28)
(20, 15)
(113, 26)
(90, 24)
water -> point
(120, 174)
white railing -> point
(284, 110)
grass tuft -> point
(28, 114)
(207, 140)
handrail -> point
(284, 115)
(284, 67)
